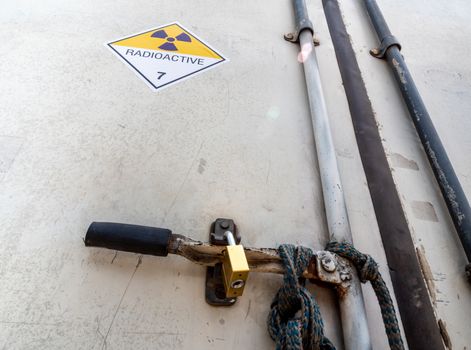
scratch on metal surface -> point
(202, 165)
(400, 71)
(268, 171)
(114, 257)
(139, 261)
(21, 323)
(443, 181)
(248, 309)
(183, 183)
(10, 147)
(154, 333)
(98, 329)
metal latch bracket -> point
(214, 289)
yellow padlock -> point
(235, 268)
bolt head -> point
(345, 277)
(374, 52)
(224, 224)
(328, 264)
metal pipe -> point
(452, 192)
(404, 267)
(352, 308)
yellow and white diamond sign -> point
(166, 55)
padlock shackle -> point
(230, 238)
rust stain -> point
(444, 334)
(427, 273)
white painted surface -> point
(83, 139)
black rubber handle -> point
(129, 238)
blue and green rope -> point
(295, 321)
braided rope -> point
(295, 321)
(368, 271)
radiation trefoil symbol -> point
(169, 45)
(165, 55)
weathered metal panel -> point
(83, 139)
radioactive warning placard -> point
(165, 55)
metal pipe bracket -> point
(330, 269)
(302, 23)
(294, 36)
(387, 42)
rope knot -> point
(295, 321)
(369, 271)
(367, 268)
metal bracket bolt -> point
(330, 268)
(294, 38)
(327, 261)
(386, 43)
